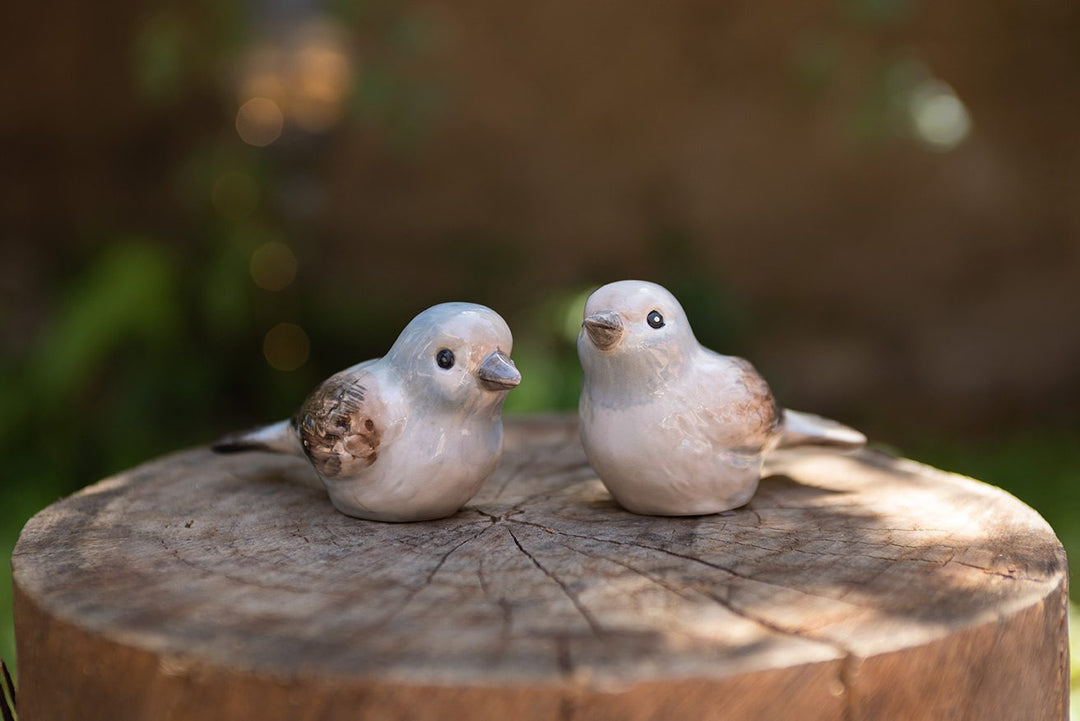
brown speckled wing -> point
(759, 406)
(336, 426)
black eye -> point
(655, 319)
(445, 358)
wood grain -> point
(201, 586)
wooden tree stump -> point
(858, 587)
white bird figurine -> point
(671, 427)
(410, 436)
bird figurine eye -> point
(655, 319)
(445, 358)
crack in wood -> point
(1011, 575)
(504, 604)
(585, 613)
(848, 659)
(516, 472)
(215, 573)
(723, 602)
(445, 556)
(849, 668)
(676, 554)
(414, 591)
(860, 554)
(567, 702)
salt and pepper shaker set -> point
(670, 427)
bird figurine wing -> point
(766, 425)
(340, 425)
(756, 403)
(734, 409)
(808, 429)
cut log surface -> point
(852, 587)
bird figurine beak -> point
(498, 373)
(605, 328)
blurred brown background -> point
(206, 207)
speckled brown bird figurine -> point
(670, 427)
(410, 436)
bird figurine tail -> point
(275, 438)
(807, 429)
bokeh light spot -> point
(235, 194)
(306, 72)
(940, 119)
(273, 266)
(321, 73)
(286, 347)
(259, 122)
(261, 75)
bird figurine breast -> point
(410, 436)
(671, 427)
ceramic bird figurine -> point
(410, 436)
(670, 427)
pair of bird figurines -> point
(670, 427)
